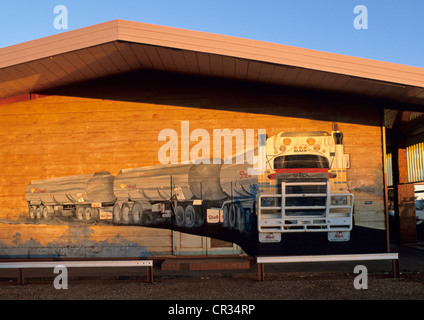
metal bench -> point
(77, 264)
(328, 258)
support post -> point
(261, 272)
(150, 274)
(404, 193)
(21, 280)
(396, 273)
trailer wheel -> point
(39, 212)
(232, 215)
(47, 212)
(79, 212)
(240, 219)
(95, 214)
(137, 213)
(179, 216)
(125, 213)
(116, 213)
(198, 217)
(189, 216)
(88, 213)
(31, 212)
(226, 210)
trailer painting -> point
(299, 188)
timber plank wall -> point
(114, 123)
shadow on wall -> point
(75, 243)
(225, 94)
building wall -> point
(99, 129)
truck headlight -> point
(339, 200)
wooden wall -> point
(86, 129)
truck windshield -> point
(301, 161)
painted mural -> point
(74, 242)
(287, 194)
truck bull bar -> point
(275, 215)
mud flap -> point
(339, 236)
(269, 237)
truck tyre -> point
(47, 212)
(198, 217)
(116, 213)
(179, 216)
(88, 214)
(225, 213)
(137, 213)
(126, 214)
(79, 212)
(189, 216)
(95, 214)
(31, 212)
(240, 219)
(232, 215)
(38, 212)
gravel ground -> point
(301, 286)
(214, 297)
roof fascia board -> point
(59, 43)
(270, 52)
(183, 39)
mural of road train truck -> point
(298, 185)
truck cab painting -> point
(296, 201)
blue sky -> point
(395, 28)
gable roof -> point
(120, 46)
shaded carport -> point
(404, 145)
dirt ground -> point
(216, 296)
(302, 286)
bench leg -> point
(150, 274)
(395, 264)
(261, 272)
(21, 280)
